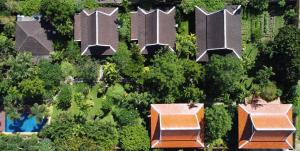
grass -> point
(298, 129)
(74, 109)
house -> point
(153, 29)
(31, 36)
(97, 31)
(177, 126)
(265, 126)
(218, 32)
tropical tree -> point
(64, 98)
(188, 6)
(186, 45)
(59, 13)
(165, 76)
(223, 78)
(20, 67)
(50, 73)
(217, 123)
(32, 89)
(105, 134)
(111, 74)
(126, 117)
(40, 111)
(286, 56)
(259, 5)
(30, 7)
(11, 142)
(294, 98)
(134, 138)
(88, 70)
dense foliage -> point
(223, 78)
(134, 138)
(59, 13)
(188, 6)
(217, 122)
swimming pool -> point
(25, 124)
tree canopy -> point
(217, 122)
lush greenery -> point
(102, 103)
(217, 123)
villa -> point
(97, 31)
(153, 29)
(265, 126)
(218, 32)
(31, 36)
(177, 126)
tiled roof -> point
(218, 31)
(153, 28)
(97, 30)
(177, 126)
(265, 126)
(32, 37)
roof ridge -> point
(101, 12)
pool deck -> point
(2, 121)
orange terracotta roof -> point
(265, 126)
(177, 126)
(187, 121)
(271, 122)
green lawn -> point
(92, 96)
(298, 129)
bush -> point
(294, 98)
(68, 69)
(188, 6)
(59, 13)
(269, 91)
(134, 138)
(88, 70)
(50, 73)
(32, 88)
(30, 7)
(9, 30)
(217, 123)
(124, 20)
(64, 98)
(290, 16)
(105, 134)
(126, 117)
(115, 94)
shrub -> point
(68, 69)
(126, 117)
(134, 138)
(105, 134)
(115, 93)
(9, 30)
(32, 88)
(188, 6)
(64, 98)
(269, 91)
(294, 98)
(218, 122)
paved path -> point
(298, 147)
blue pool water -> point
(25, 124)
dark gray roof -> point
(97, 30)
(218, 31)
(32, 37)
(152, 28)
